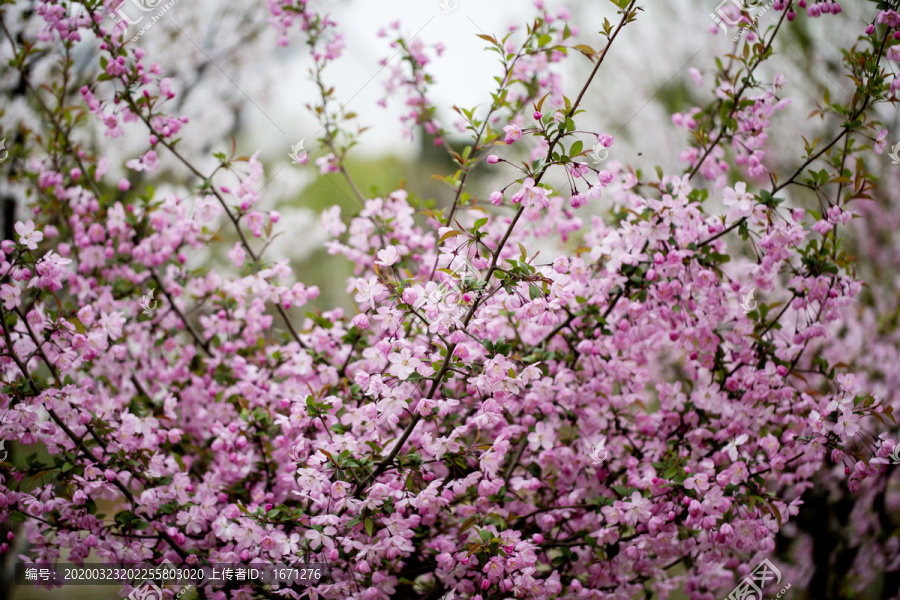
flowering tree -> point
(625, 418)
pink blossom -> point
(699, 482)
(880, 141)
(148, 162)
(27, 234)
(740, 201)
(11, 295)
(327, 164)
(403, 363)
(388, 256)
(321, 538)
(255, 222)
(542, 437)
(513, 133)
(531, 194)
(367, 290)
(237, 255)
(731, 449)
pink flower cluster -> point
(444, 432)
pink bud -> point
(361, 321)
(870, 29)
(124, 184)
(409, 296)
(493, 159)
(538, 115)
(561, 264)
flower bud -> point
(361, 321)
(409, 296)
(561, 264)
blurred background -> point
(231, 79)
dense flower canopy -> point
(598, 383)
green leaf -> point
(466, 524)
(449, 235)
(576, 148)
(79, 326)
(369, 524)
